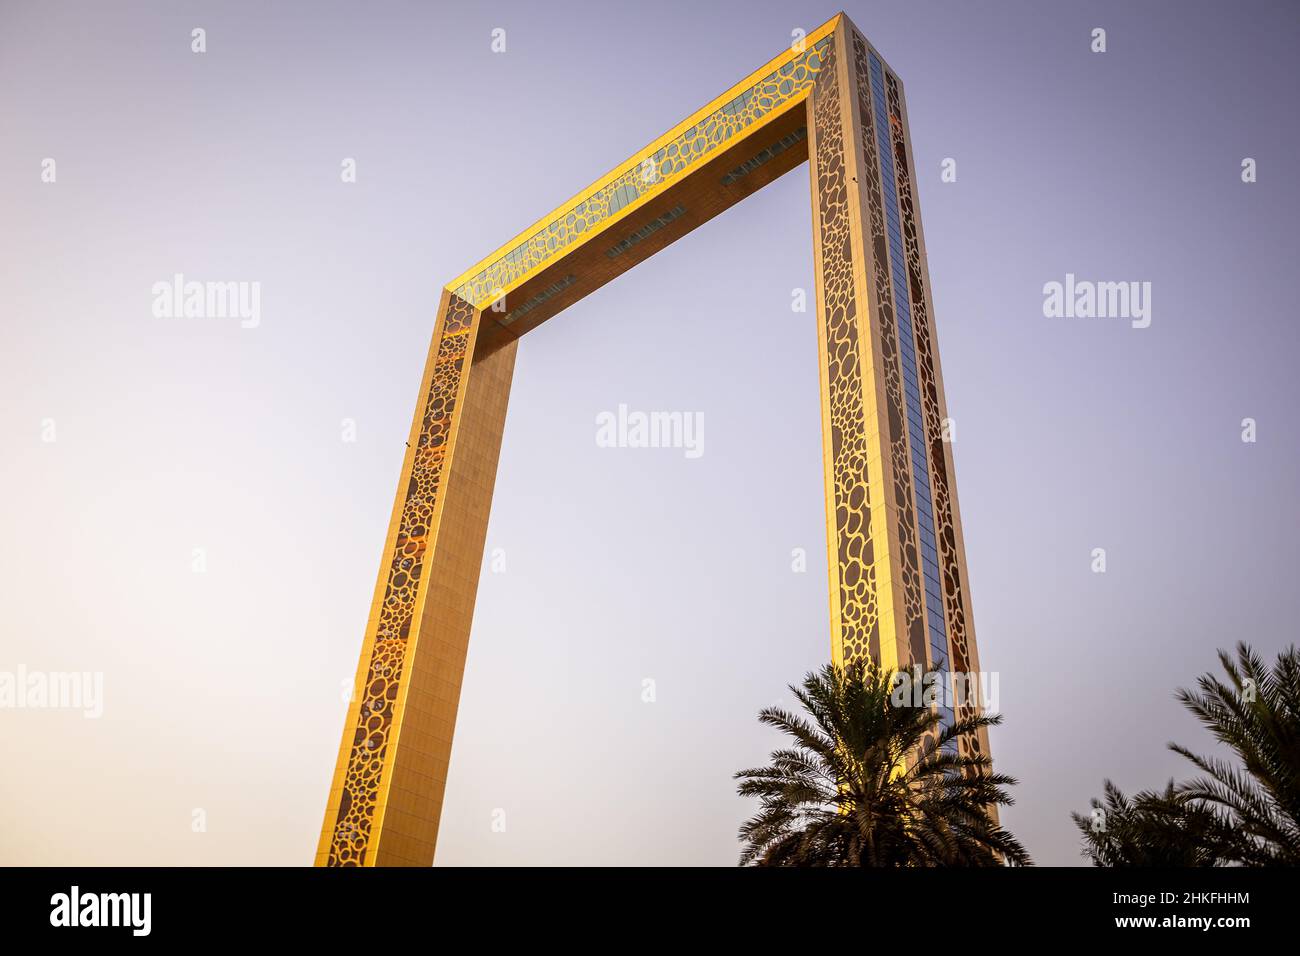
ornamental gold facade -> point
(898, 583)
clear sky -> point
(222, 686)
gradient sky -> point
(223, 690)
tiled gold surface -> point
(387, 792)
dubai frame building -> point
(898, 581)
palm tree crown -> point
(1245, 812)
(869, 781)
(1257, 715)
(1154, 828)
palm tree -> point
(871, 782)
(1257, 716)
(1244, 813)
(1153, 829)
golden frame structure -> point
(897, 566)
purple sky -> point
(222, 689)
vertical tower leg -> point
(875, 599)
(951, 556)
(897, 569)
(386, 796)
